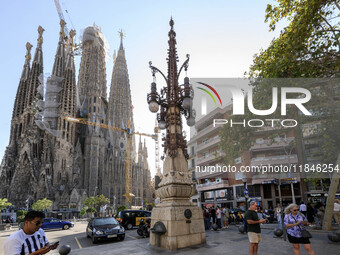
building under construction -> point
(49, 156)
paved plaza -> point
(226, 241)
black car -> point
(131, 218)
(104, 229)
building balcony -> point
(209, 159)
(210, 143)
(275, 160)
(212, 185)
(206, 132)
(269, 144)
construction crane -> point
(77, 47)
(129, 133)
(61, 16)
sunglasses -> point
(37, 223)
(296, 210)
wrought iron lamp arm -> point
(185, 65)
(155, 70)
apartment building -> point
(270, 147)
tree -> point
(93, 204)
(307, 48)
(122, 208)
(3, 204)
(42, 204)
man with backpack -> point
(253, 227)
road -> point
(75, 237)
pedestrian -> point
(303, 208)
(320, 212)
(213, 215)
(30, 239)
(225, 216)
(278, 215)
(310, 213)
(336, 211)
(259, 212)
(219, 217)
(295, 222)
(206, 218)
(253, 228)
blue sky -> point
(221, 37)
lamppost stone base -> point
(180, 231)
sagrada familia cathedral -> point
(66, 162)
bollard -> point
(64, 250)
(241, 229)
(214, 227)
(334, 236)
(278, 232)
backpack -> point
(245, 226)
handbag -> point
(305, 233)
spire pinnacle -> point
(40, 31)
(72, 35)
(28, 52)
(122, 35)
(62, 28)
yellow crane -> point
(129, 133)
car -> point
(131, 218)
(104, 228)
(53, 223)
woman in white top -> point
(278, 215)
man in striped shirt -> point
(31, 239)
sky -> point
(221, 37)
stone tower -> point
(120, 115)
(29, 143)
(92, 95)
(11, 153)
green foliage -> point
(307, 47)
(83, 211)
(21, 215)
(94, 203)
(4, 203)
(42, 204)
(122, 208)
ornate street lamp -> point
(173, 100)
(175, 188)
(246, 196)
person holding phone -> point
(295, 222)
(31, 240)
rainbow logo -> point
(209, 93)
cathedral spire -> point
(38, 51)
(59, 59)
(122, 35)
(36, 70)
(26, 69)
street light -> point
(244, 179)
(173, 100)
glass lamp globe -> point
(191, 121)
(161, 124)
(187, 103)
(153, 106)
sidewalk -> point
(225, 241)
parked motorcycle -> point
(268, 215)
(144, 227)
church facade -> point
(66, 162)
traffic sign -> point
(246, 192)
